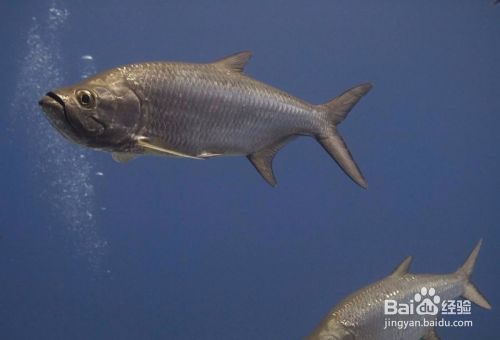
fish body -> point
(196, 111)
(361, 315)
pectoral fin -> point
(263, 160)
(431, 334)
(154, 146)
(209, 154)
(122, 157)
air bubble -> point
(64, 171)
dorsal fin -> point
(235, 62)
(402, 268)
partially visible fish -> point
(197, 111)
(361, 315)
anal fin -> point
(262, 160)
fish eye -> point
(85, 98)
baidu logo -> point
(424, 308)
(425, 302)
(428, 302)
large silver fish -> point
(196, 111)
(361, 315)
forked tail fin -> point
(337, 110)
(470, 291)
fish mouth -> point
(55, 109)
(53, 96)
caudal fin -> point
(470, 291)
(336, 111)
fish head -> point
(99, 112)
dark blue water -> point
(178, 249)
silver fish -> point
(361, 315)
(196, 111)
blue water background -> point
(180, 249)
